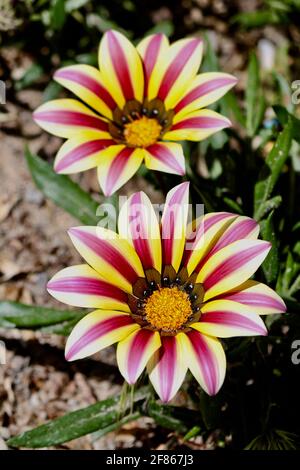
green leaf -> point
(271, 170)
(256, 19)
(283, 116)
(51, 91)
(57, 15)
(271, 264)
(100, 416)
(164, 27)
(171, 417)
(31, 76)
(62, 190)
(231, 108)
(255, 103)
(18, 315)
(270, 205)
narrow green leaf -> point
(62, 190)
(272, 169)
(172, 417)
(271, 264)
(57, 14)
(270, 205)
(256, 19)
(100, 416)
(18, 315)
(255, 105)
(283, 116)
(31, 76)
(231, 108)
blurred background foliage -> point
(252, 169)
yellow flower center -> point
(142, 132)
(168, 308)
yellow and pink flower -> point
(166, 293)
(135, 108)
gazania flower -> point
(166, 302)
(134, 108)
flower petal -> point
(82, 286)
(151, 49)
(204, 90)
(66, 117)
(174, 71)
(118, 165)
(240, 228)
(173, 225)
(258, 296)
(196, 126)
(205, 357)
(202, 238)
(121, 68)
(225, 318)
(81, 153)
(165, 156)
(167, 367)
(86, 82)
(139, 225)
(96, 331)
(112, 257)
(231, 266)
(134, 352)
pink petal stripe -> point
(82, 151)
(110, 254)
(233, 263)
(96, 331)
(175, 68)
(71, 118)
(167, 366)
(151, 55)
(206, 361)
(136, 351)
(233, 319)
(87, 286)
(163, 154)
(232, 234)
(202, 122)
(253, 300)
(205, 224)
(141, 244)
(116, 169)
(88, 82)
(201, 90)
(120, 65)
(167, 241)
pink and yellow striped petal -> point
(231, 266)
(202, 237)
(139, 225)
(165, 156)
(167, 367)
(82, 286)
(118, 165)
(197, 125)
(225, 319)
(66, 117)
(111, 256)
(96, 331)
(205, 357)
(81, 153)
(204, 90)
(175, 70)
(173, 225)
(134, 352)
(151, 49)
(86, 82)
(121, 68)
(258, 296)
(240, 228)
